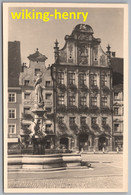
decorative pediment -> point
(117, 104)
(118, 120)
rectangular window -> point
(26, 82)
(71, 78)
(71, 121)
(61, 100)
(104, 120)
(27, 110)
(27, 96)
(116, 96)
(116, 111)
(60, 77)
(47, 83)
(12, 114)
(48, 110)
(83, 100)
(37, 70)
(12, 97)
(116, 127)
(83, 120)
(11, 129)
(103, 80)
(93, 101)
(93, 78)
(104, 101)
(61, 119)
(48, 96)
(48, 127)
(82, 79)
(94, 120)
(72, 100)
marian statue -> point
(38, 91)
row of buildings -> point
(82, 90)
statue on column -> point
(38, 91)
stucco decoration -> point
(82, 54)
(63, 56)
(70, 50)
(95, 56)
(102, 60)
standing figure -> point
(38, 91)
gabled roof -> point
(37, 57)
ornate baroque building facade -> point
(82, 79)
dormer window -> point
(26, 82)
(37, 70)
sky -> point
(107, 24)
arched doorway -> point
(103, 143)
(83, 141)
(64, 143)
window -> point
(60, 99)
(72, 121)
(116, 111)
(104, 120)
(47, 83)
(104, 101)
(93, 101)
(48, 127)
(116, 96)
(71, 78)
(37, 70)
(26, 82)
(11, 129)
(116, 127)
(103, 80)
(93, 79)
(48, 110)
(83, 100)
(27, 96)
(72, 100)
(12, 114)
(61, 77)
(12, 97)
(83, 120)
(48, 96)
(26, 110)
(61, 119)
(82, 79)
(93, 120)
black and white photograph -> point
(65, 97)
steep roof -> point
(14, 63)
(117, 65)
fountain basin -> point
(29, 162)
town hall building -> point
(82, 82)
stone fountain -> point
(38, 134)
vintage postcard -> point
(65, 97)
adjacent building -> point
(82, 77)
(14, 95)
(118, 112)
(27, 79)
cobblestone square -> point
(106, 172)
